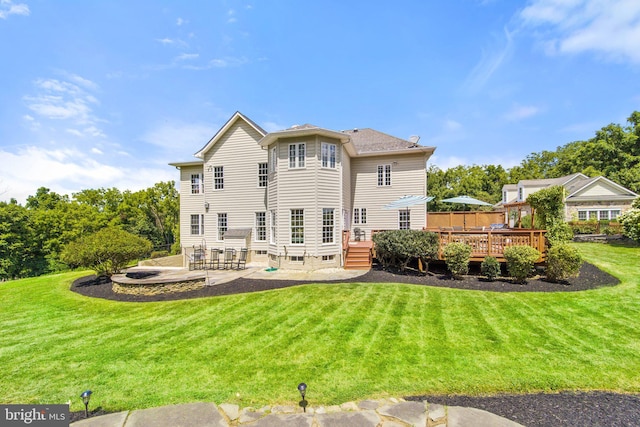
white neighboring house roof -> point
(236, 116)
(618, 192)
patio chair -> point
(241, 262)
(229, 254)
(197, 259)
(214, 262)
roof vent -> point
(294, 127)
(355, 130)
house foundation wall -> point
(307, 262)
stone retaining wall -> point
(157, 289)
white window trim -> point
(333, 226)
(255, 234)
(214, 178)
(360, 217)
(200, 225)
(273, 160)
(296, 163)
(226, 217)
(400, 212)
(200, 183)
(291, 228)
(328, 146)
(384, 175)
(272, 227)
(265, 175)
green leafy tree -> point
(19, 253)
(107, 251)
(549, 206)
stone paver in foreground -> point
(458, 416)
(187, 415)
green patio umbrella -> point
(466, 200)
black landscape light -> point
(302, 388)
(86, 395)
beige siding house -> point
(294, 192)
(585, 198)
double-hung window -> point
(328, 154)
(297, 153)
(273, 164)
(261, 226)
(222, 225)
(297, 226)
(263, 174)
(327, 225)
(360, 216)
(404, 219)
(272, 233)
(384, 175)
(197, 225)
(196, 184)
(218, 177)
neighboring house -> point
(287, 196)
(585, 198)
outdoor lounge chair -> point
(214, 262)
(229, 254)
(197, 259)
(241, 262)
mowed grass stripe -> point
(348, 341)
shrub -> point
(563, 261)
(584, 227)
(396, 248)
(457, 255)
(630, 221)
(159, 254)
(106, 252)
(490, 268)
(558, 232)
(520, 262)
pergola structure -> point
(519, 206)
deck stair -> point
(359, 256)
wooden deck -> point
(493, 243)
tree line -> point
(33, 236)
(614, 152)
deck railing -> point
(493, 243)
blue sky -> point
(106, 93)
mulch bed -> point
(590, 277)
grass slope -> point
(347, 342)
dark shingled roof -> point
(369, 140)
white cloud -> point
(97, 151)
(179, 138)
(273, 126)
(61, 100)
(452, 125)
(490, 62)
(519, 112)
(187, 56)
(180, 22)
(447, 162)
(608, 28)
(7, 7)
(67, 171)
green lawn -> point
(347, 342)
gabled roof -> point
(624, 193)
(236, 116)
(548, 182)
